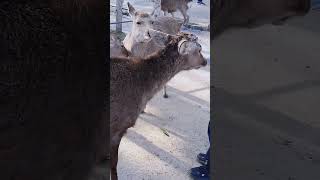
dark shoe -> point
(201, 3)
(200, 173)
(202, 159)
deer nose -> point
(148, 36)
(204, 62)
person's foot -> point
(201, 3)
(200, 173)
(202, 159)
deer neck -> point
(157, 70)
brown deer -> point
(134, 81)
(52, 89)
(169, 6)
(138, 42)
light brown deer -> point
(138, 42)
(134, 81)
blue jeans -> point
(208, 152)
(315, 4)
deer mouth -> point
(149, 34)
(204, 63)
(147, 38)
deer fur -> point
(52, 89)
(134, 81)
(138, 42)
(116, 47)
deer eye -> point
(139, 22)
(151, 22)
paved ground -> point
(267, 102)
(146, 152)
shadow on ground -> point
(266, 102)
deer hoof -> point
(165, 96)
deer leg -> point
(154, 10)
(114, 162)
(185, 15)
(143, 109)
(114, 175)
(187, 19)
(165, 95)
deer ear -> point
(131, 9)
(182, 47)
(170, 38)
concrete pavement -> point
(267, 102)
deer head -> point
(142, 21)
(189, 48)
